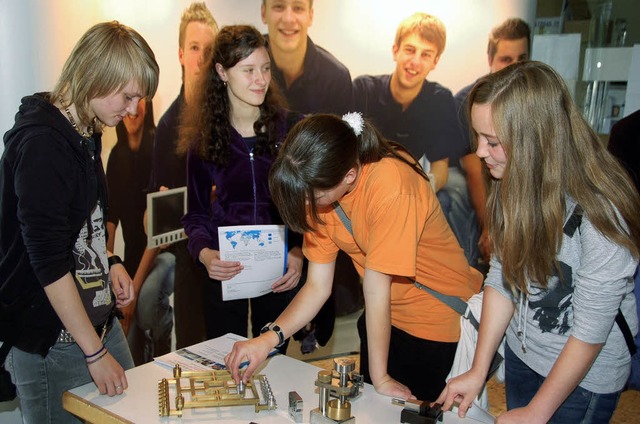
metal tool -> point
(418, 411)
(295, 407)
(335, 390)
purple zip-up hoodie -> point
(242, 192)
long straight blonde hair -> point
(551, 153)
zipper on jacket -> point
(253, 179)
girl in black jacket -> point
(59, 284)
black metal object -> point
(419, 411)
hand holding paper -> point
(261, 251)
(216, 268)
(294, 272)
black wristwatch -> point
(273, 327)
(114, 259)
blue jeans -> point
(581, 406)
(150, 333)
(42, 381)
(457, 208)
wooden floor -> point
(627, 412)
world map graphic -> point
(249, 238)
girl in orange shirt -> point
(399, 234)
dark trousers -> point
(187, 298)
(422, 365)
(232, 316)
(581, 406)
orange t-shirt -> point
(399, 229)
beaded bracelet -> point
(97, 359)
(91, 356)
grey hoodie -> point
(601, 281)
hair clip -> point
(355, 121)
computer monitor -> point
(164, 211)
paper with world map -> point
(261, 249)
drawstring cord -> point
(523, 306)
(88, 162)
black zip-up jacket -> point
(48, 186)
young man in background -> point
(509, 43)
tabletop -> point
(139, 403)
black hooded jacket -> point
(49, 184)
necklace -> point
(86, 134)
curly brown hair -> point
(205, 123)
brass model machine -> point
(335, 390)
(210, 389)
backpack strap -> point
(343, 217)
(626, 332)
(574, 221)
(454, 302)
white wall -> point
(36, 36)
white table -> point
(139, 404)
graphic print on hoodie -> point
(552, 307)
(90, 257)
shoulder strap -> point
(457, 304)
(343, 217)
(454, 302)
(574, 221)
(626, 332)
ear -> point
(263, 13)
(435, 61)
(181, 56)
(351, 176)
(394, 51)
(311, 16)
(221, 72)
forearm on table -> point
(572, 365)
(65, 299)
(377, 298)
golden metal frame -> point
(211, 389)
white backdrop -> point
(36, 36)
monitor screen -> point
(164, 211)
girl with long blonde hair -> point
(563, 222)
